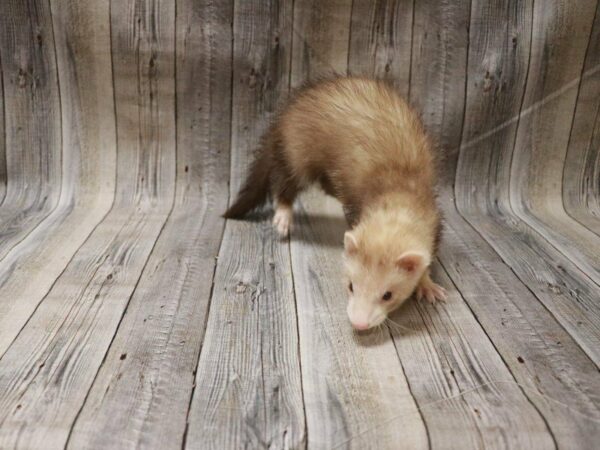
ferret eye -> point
(387, 296)
(350, 287)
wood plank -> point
(33, 127)
(536, 176)
(380, 41)
(321, 35)
(553, 371)
(452, 368)
(67, 337)
(499, 49)
(438, 72)
(496, 88)
(3, 136)
(88, 159)
(353, 383)
(142, 392)
(581, 177)
(248, 380)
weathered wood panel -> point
(321, 35)
(380, 41)
(499, 49)
(33, 126)
(495, 94)
(452, 366)
(543, 132)
(2, 137)
(553, 371)
(438, 72)
(248, 380)
(142, 392)
(88, 160)
(581, 175)
(67, 337)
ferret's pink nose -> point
(360, 325)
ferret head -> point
(379, 280)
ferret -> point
(362, 143)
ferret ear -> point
(350, 243)
(413, 261)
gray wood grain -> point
(557, 376)
(248, 380)
(33, 126)
(380, 41)
(2, 137)
(542, 136)
(581, 175)
(68, 335)
(321, 36)
(141, 394)
(88, 160)
(452, 367)
(438, 71)
(483, 189)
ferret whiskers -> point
(396, 326)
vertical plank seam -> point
(514, 144)
(464, 114)
(289, 245)
(4, 134)
(114, 94)
(212, 287)
(581, 78)
(60, 115)
(292, 50)
(463, 298)
(410, 389)
(349, 38)
(412, 42)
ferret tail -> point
(255, 190)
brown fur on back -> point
(362, 142)
(360, 133)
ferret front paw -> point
(430, 291)
(282, 221)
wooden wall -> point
(122, 121)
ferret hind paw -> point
(282, 221)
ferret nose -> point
(360, 325)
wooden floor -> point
(133, 316)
